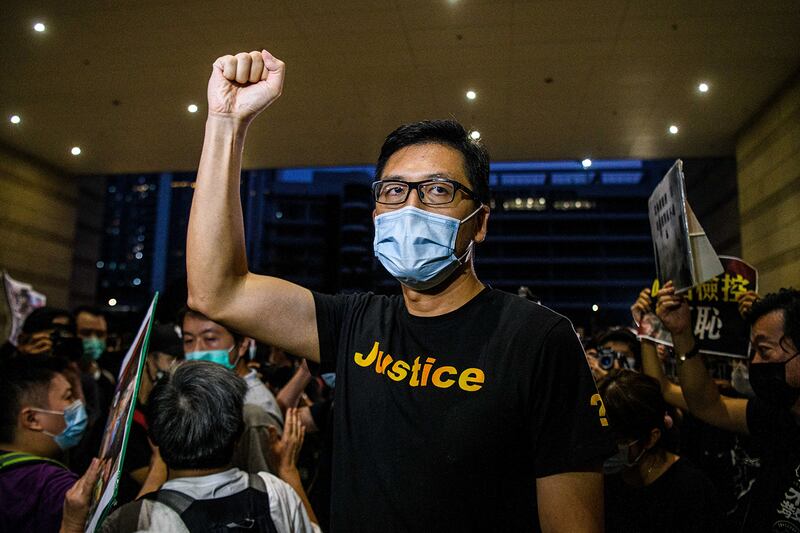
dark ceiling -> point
(555, 79)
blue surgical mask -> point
(329, 379)
(76, 419)
(418, 247)
(93, 347)
(221, 357)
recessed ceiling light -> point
(112, 302)
(475, 134)
(595, 308)
(586, 163)
(15, 119)
(673, 129)
(192, 108)
(76, 150)
(703, 87)
(40, 27)
(471, 95)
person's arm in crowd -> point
(572, 501)
(651, 364)
(290, 394)
(156, 475)
(220, 285)
(701, 394)
(77, 498)
(283, 457)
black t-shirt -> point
(775, 497)
(444, 423)
(683, 499)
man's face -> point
(90, 325)
(59, 397)
(771, 346)
(620, 347)
(422, 162)
(201, 334)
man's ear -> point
(482, 224)
(244, 346)
(652, 440)
(28, 420)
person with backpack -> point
(195, 418)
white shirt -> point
(259, 394)
(285, 506)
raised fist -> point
(242, 86)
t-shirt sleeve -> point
(567, 427)
(330, 311)
(59, 481)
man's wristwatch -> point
(691, 353)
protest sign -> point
(717, 325)
(118, 426)
(20, 299)
(682, 250)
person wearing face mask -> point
(772, 416)
(40, 418)
(441, 391)
(648, 488)
(206, 340)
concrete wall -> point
(38, 214)
(768, 161)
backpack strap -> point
(177, 501)
(12, 459)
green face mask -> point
(94, 347)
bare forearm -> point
(215, 247)
(292, 477)
(289, 395)
(651, 365)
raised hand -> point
(76, 500)
(642, 306)
(285, 450)
(746, 301)
(243, 85)
(673, 310)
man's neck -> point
(27, 447)
(175, 473)
(460, 289)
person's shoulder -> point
(524, 310)
(46, 471)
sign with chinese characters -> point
(717, 325)
(682, 250)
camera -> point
(66, 345)
(607, 356)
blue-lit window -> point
(520, 178)
(571, 178)
(620, 178)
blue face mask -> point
(621, 460)
(329, 379)
(76, 419)
(221, 357)
(418, 247)
(93, 347)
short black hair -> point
(448, 133)
(91, 309)
(625, 335)
(195, 415)
(634, 403)
(185, 311)
(42, 319)
(24, 380)
(786, 300)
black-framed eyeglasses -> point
(436, 192)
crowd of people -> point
(449, 407)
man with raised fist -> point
(458, 407)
